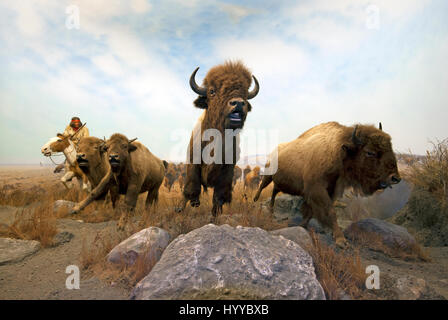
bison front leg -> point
(130, 203)
(319, 204)
(192, 188)
(222, 194)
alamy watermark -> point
(211, 146)
(72, 21)
(72, 281)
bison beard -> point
(224, 96)
(325, 160)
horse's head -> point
(56, 144)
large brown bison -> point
(325, 160)
(224, 97)
(133, 170)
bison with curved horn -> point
(325, 160)
(224, 96)
(133, 170)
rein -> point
(57, 155)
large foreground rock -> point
(222, 262)
(14, 250)
(149, 242)
(392, 235)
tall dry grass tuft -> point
(426, 213)
(431, 172)
(337, 272)
(38, 223)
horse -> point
(63, 144)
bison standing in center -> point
(224, 97)
(325, 160)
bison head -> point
(89, 153)
(225, 94)
(370, 159)
(118, 148)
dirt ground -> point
(42, 275)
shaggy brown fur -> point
(224, 85)
(246, 171)
(252, 179)
(135, 170)
(325, 160)
(59, 146)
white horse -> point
(64, 144)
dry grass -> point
(431, 172)
(337, 271)
(37, 223)
(375, 242)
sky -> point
(125, 68)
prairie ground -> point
(27, 195)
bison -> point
(133, 170)
(224, 96)
(170, 176)
(237, 172)
(252, 179)
(92, 159)
(327, 159)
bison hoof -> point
(74, 211)
(195, 203)
(341, 242)
(122, 224)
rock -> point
(216, 262)
(410, 288)
(392, 235)
(15, 250)
(287, 207)
(58, 204)
(62, 237)
(297, 234)
(149, 242)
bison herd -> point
(318, 165)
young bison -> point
(325, 160)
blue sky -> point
(126, 68)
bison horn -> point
(130, 141)
(194, 86)
(380, 126)
(254, 91)
(355, 139)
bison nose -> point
(113, 157)
(237, 104)
(81, 156)
(395, 179)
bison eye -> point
(212, 92)
(371, 154)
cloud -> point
(126, 69)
